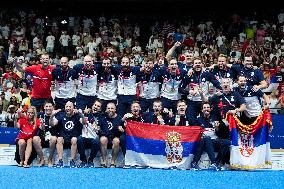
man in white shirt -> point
(92, 47)
(3, 115)
(50, 40)
(75, 40)
(64, 41)
(89, 137)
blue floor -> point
(44, 177)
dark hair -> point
(98, 100)
(180, 101)
(205, 102)
(135, 102)
(49, 101)
(240, 76)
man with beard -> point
(86, 74)
(135, 115)
(47, 137)
(42, 76)
(254, 76)
(158, 116)
(221, 70)
(89, 137)
(180, 119)
(126, 86)
(252, 99)
(69, 124)
(227, 101)
(215, 138)
(107, 83)
(148, 85)
(171, 79)
(109, 135)
(195, 86)
(63, 83)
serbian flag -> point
(160, 146)
(250, 147)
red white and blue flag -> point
(250, 147)
(160, 146)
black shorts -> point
(109, 143)
(67, 141)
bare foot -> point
(50, 163)
(41, 163)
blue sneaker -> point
(195, 167)
(59, 164)
(214, 167)
(82, 165)
(72, 163)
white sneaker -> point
(225, 167)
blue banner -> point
(8, 135)
(277, 134)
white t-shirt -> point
(92, 46)
(3, 122)
(50, 41)
(98, 40)
(242, 37)
(75, 40)
(35, 42)
(64, 39)
(220, 40)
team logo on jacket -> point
(110, 126)
(174, 148)
(69, 125)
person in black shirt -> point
(109, 135)
(69, 124)
(180, 118)
(159, 116)
(135, 115)
(215, 138)
(47, 137)
(227, 101)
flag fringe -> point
(248, 167)
(249, 129)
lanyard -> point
(228, 101)
(198, 78)
(221, 75)
(243, 93)
(173, 82)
